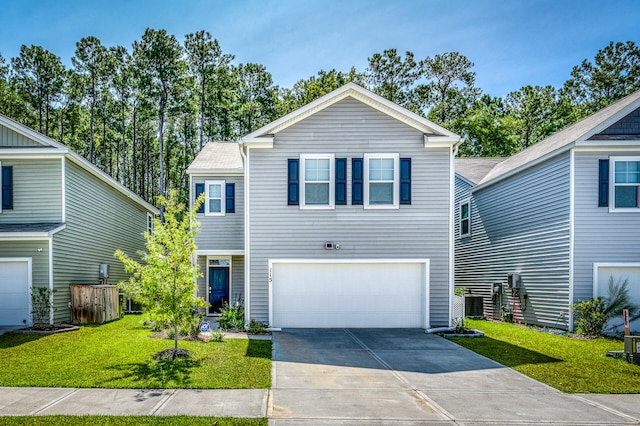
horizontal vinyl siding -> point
(599, 236)
(237, 279)
(12, 139)
(222, 232)
(350, 129)
(520, 225)
(100, 220)
(38, 251)
(37, 191)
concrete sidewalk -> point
(130, 402)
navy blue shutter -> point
(200, 190)
(603, 181)
(230, 195)
(293, 187)
(405, 181)
(341, 181)
(356, 180)
(7, 187)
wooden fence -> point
(94, 304)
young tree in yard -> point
(165, 283)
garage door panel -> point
(620, 273)
(375, 294)
(14, 292)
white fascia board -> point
(28, 153)
(609, 144)
(431, 141)
(357, 92)
(215, 172)
(259, 142)
(12, 236)
(220, 252)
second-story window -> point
(382, 181)
(318, 181)
(465, 219)
(214, 203)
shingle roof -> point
(474, 169)
(563, 138)
(218, 157)
(28, 227)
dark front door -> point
(218, 288)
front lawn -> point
(565, 363)
(129, 421)
(118, 355)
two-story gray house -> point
(60, 218)
(562, 217)
(338, 214)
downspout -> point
(50, 238)
(452, 182)
(247, 255)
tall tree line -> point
(141, 114)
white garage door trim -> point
(425, 285)
(617, 321)
(28, 261)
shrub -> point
(257, 327)
(231, 316)
(41, 306)
(589, 316)
(217, 336)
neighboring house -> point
(562, 215)
(338, 214)
(60, 218)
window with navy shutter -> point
(230, 194)
(341, 181)
(603, 182)
(199, 191)
(293, 184)
(356, 181)
(7, 187)
(405, 181)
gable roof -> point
(50, 146)
(434, 134)
(577, 134)
(217, 158)
(474, 169)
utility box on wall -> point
(632, 349)
(514, 280)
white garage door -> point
(349, 294)
(620, 273)
(15, 278)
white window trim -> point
(462, 203)
(612, 186)
(150, 224)
(206, 284)
(223, 197)
(396, 181)
(332, 181)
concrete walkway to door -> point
(366, 376)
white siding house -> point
(563, 214)
(346, 208)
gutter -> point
(247, 255)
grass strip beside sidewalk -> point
(565, 363)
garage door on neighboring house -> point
(603, 272)
(15, 282)
(349, 294)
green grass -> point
(129, 420)
(118, 355)
(567, 364)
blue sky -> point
(512, 42)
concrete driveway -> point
(365, 376)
